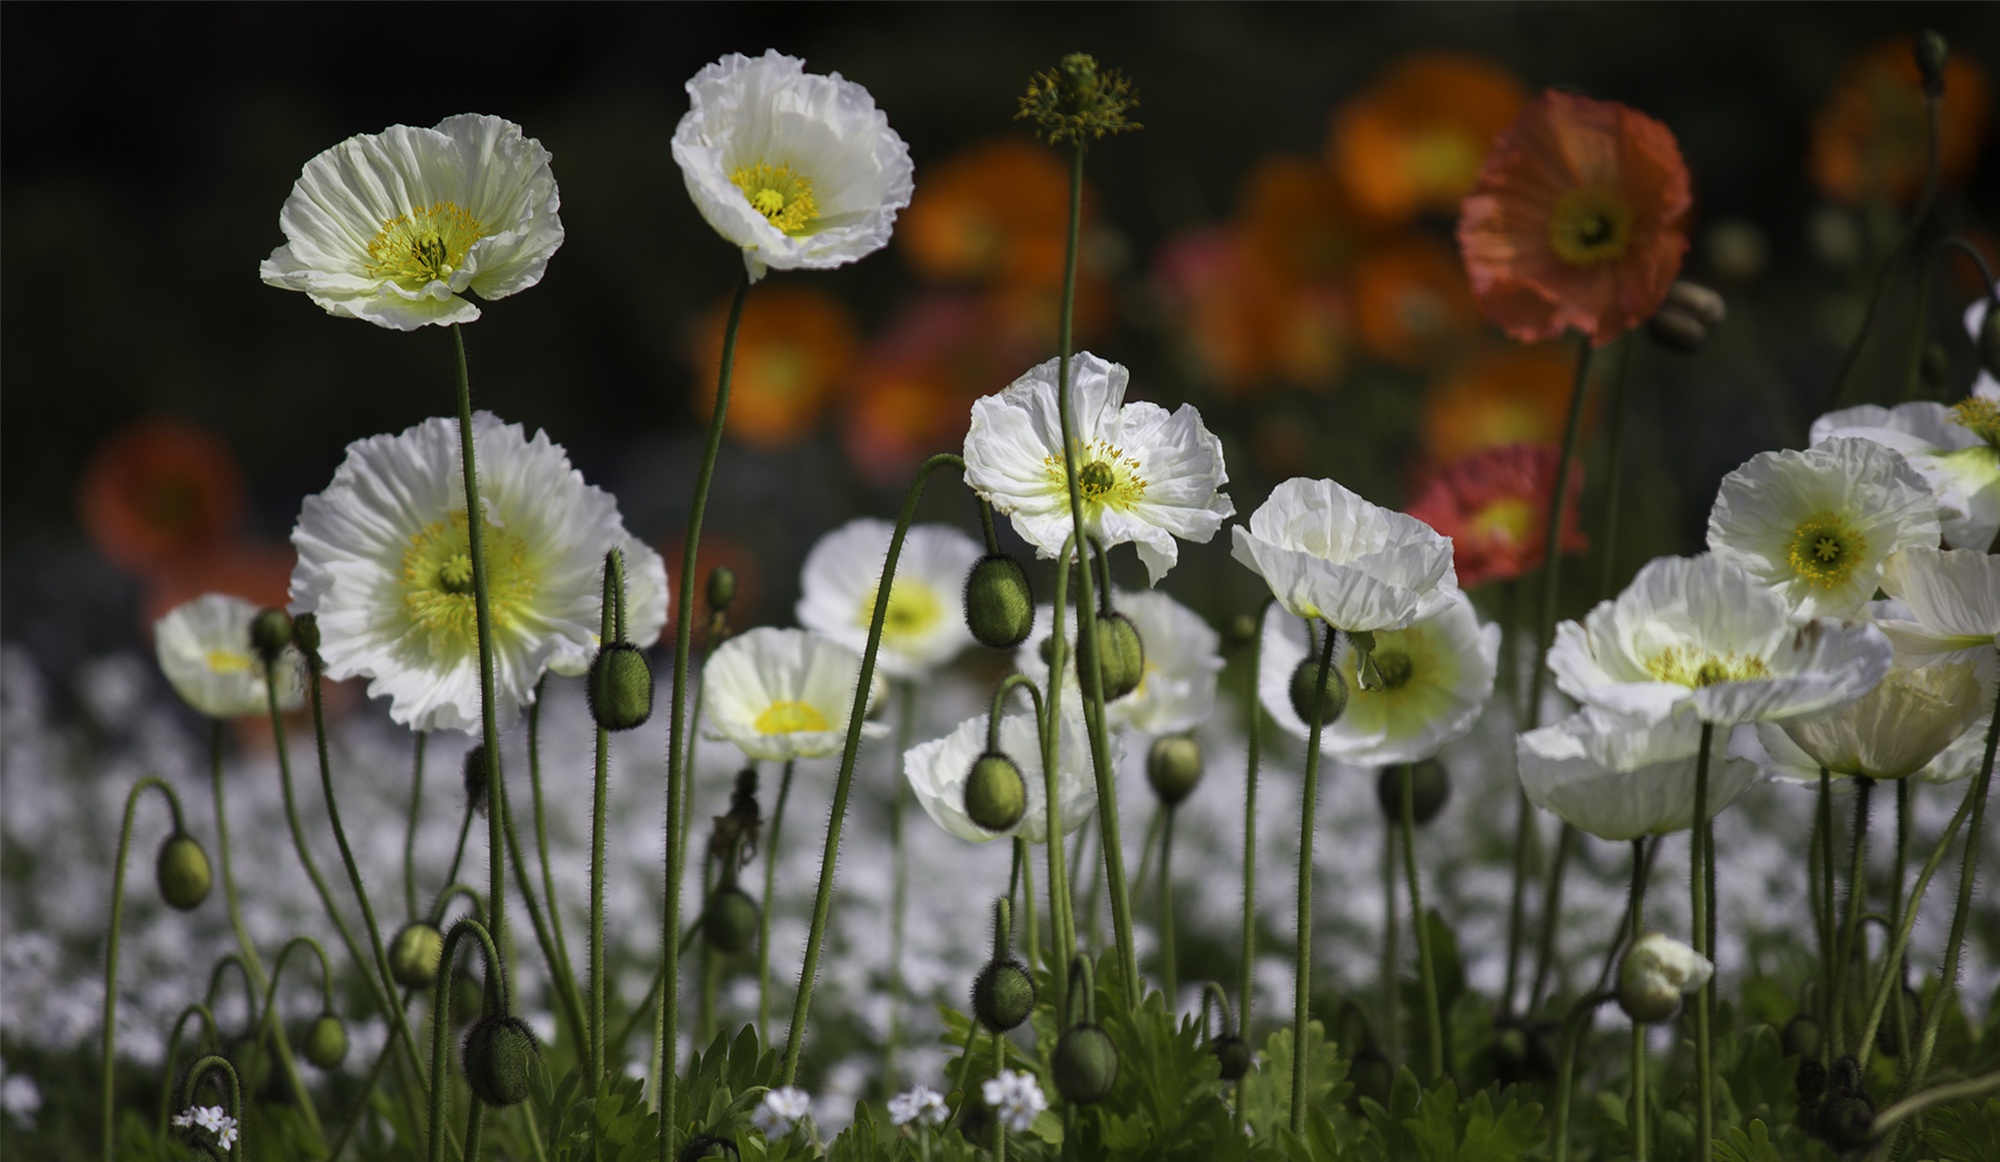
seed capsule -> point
(182, 872)
(730, 924)
(721, 587)
(326, 1042)
(496, 1058)
(999, 604)
(620, 688)
(414, 954)
(996, 796)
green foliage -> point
(1433, 1126)
(1755, 1146)
(615, 1126)
(1965, 1132)
(1267, 1089)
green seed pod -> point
(721, 587)
(730, 923)
(183, 872)
(1233, 1054)
(1242, 630)
(414, 954)
(496, 1058)
(1085, 1065)
(1931, 51)
(1121, 656)
(999, 604)
(1003, 994)
(1989, 340)
(620, 689)
(270, 633)
(1305, 691)
(1802, 1038)
(476, 774)
(1429, 792)
(996, 796)
(1173, 767)
(326, 1042)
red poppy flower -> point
(1870, 139)
(1494, 507)
(1577, 220)
(160, 493)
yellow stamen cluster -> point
(914, 610)
(437, 583)
(1824, 550)
(424, 245)
(228, 661)
(1687, 666)
(1980, 416)
(1106, 476)
(786, 717)
(1591, 224)
(1076, 102)
(783, 197)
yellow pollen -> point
(1591, 224)
(424, 245)
(783, 197)
(226, 662)
(1980, 416)
(455, 575)
(784, 717)
(1825, 550)
(1106, 476)
(437, 583)
(914, 610)
(1685, 666)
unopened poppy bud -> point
(1931, 51)
(730, 922)
(326, 1042)
(1689, 314)
(1173, 767)
(1242, 629)
(1656, 972)
(270, 633)
(1430, 790)
(414, 954)
(476, 775)
(996, 796)
(305, 634)
(497, 1054)
(1372, 1076)
(1802, 1038)
(999, 605)
(1989, 340)
(1846, 1119)
(1232, 1054)
(1305, 692)
(1003, 994)
(721, 587)
(1085, 1065)
(1811, 1081)
(183, 872)
(620, 687)
(1121, 655)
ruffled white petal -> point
(1329, 554)
(808, 674)
(1621, 778)
(204, 650)
(937, 771)
(926, 626)
(1962, 470)
(1953, 598)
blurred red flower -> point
(160, 493)
(794, 350)
(1412, 304)
(1243, 328)
(1505, 395)
(1870, 139)
(1494, 506)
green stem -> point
(1552, 891)
(198, 1072)
(410, 828)
(1890, 983)
(610, 631)
(1254, 726)
(1573, 1030)
(1433, 1018)
(1698, 865)
(999, 1122)
(269, 1012)
(497, 1002)
(1546, 619)
(1302, 966)
(1857, 901)
(1829, 930)
(844, 783)
(1148, 850)
(1392, 941)
(770, 905)
(173, 1053)
(1614, 471)
(677, 751)
(553, 953)
(1031, 940)
(555, 950)
(108, 1050)
(1971, 1089)
(1048, 731)
(899, 891)
(1920, 324)
(1635, 920)
(1169, 972)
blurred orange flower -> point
(160, 493)
(1494, 506)
(717, 550)
(1244, 329)
(794, 350)
(1577, 220)
(1412, 304)
(997, 210)
(1414, 139)
(1506, 395)
(258, 571)
(1295, 220)
(1870, 139)
(913, 389)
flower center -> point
(1443, 160)
(1395, 668)
(1592, 224)
(783, 197)
(1685, 666)
(914, 610)
(1507, 520)
(227, 662)
(1106, 478)
(1980, 416)
(437, 582)
(785, 717)
(423, 246)
(1824, 551)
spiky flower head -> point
(1076, 101)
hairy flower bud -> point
(1430, 790)
(1232, 1054)
(1173, 767)
(326, 1042)
(1121, 655)
(1656, 972)
(497, 1054)
(999, 604)
(1305, 692)
(1085, 1065)
(1690, 312)
(721, 587)
(1003, 994)
(182, 872)
(1802, 1038)
(996, 796)
(414, 955)
(270, 633)
(476, 774)
(620, 687)
(730, 922)
(305, 635)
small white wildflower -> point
(21, 1098)
(225, 1134)
(1016, 1098)
(922, 1105)
(781, 1110)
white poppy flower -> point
(385, 562)
(937, 771)
(1329, 554)
(1817, 525)
(204, 649)
(1953, 601)
(1701, 632)
(1145, 476)
(925, 626)
(1621, 778)
(1183, 658)
(394, 227)
(798, 169)
(784, 694)
(1438, 675)
(1961, 464)
(1655, 973)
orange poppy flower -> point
(1244, 329)
(1412, 304)
(1494, 506)
(914, 388)
(160, 493)
(1295, 221)
(1870, 140)
(1412, 141)
(997, 210)
(1577, 220)
(794, 350)
(1506, 395)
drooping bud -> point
(1689, 314)
(1173, 767)
(1811, 1081)
(1305, 692)
(1121, 655)
(1232, 1054)
(996, 796)
(326, 1042)
(730, 922)
(1656, 972)
(1931, 51)
(270, 633)
(620, 687)
(497, 1054)
(1085, 1065)
(1372, 1076)
(476, 775)
(999, 605)
(721, 587)
(182, 872)
(305, 635)
(414, 955)
(1430, 790)
(1003, 994)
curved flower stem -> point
(1906, 389)
(1698, 868)
(844, 783)
(1031, 941)
(1886, 988)
(1857, 901)
(1048, 724)
(677, 751)
(1169, 969)
(173, 1051)
(1635, 924)
(496, 1001)
(1890, 1120)
(1524, 828)
(1302, 966)
(610, 629)
(769, 902)
(108, 1050)
(198, 1072)
(268, 1014)
(1433, 1019)
(1573, 1030)
(1254, 725)
(899, 891)
(556, 949)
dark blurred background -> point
(147, 150)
